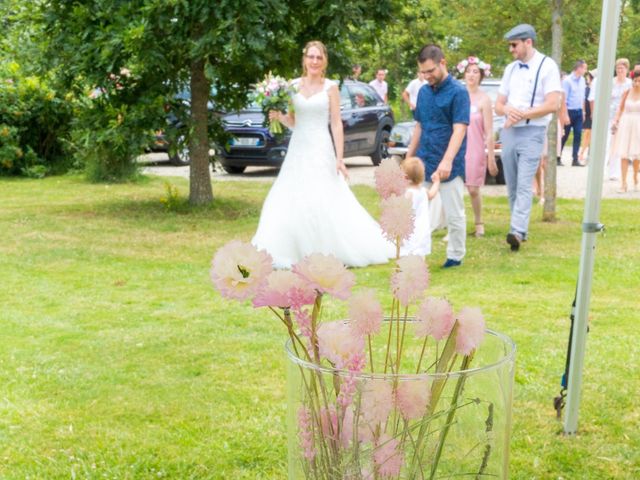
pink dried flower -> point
(435, 318)
(306, 433)
(470, 330)
(329, 422)
(303, 318)
(411, 280)
(412, 398)
(365, 312)
(284, 289)
(348, 387)
(376, 401)
(388, 457)
(339, 344)
(238, 269)
(397, 217)
(326, 274)
(346, 432)
(390, 179)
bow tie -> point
(523, 65)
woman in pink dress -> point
(627, 127)
(479, 136)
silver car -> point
(401, 133)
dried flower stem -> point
(452, 411)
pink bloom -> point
(387, 456)
(470, 330)
(390, 179)
(346, 432)
(411, 280)
(376, 401)
(349, 383)
(397, 217)
(339, 344)
(306, 433)
(284, 289)
(303, 318)
(326, 274)
(329, 422)
(435, 318)
(365, 312)
(238, 269)
(412, 398)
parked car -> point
(367, 122)
(402, 132)
(173, 131)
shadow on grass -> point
(154, 211)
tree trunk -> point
(200, 191)
(550, 183)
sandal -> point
(479, 231)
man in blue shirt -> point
(574, 87)
(439, 139)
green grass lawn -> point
(118, 360)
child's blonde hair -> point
(414, 170)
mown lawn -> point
(118, 360)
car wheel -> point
(382, 149)
(181, 157)
(233, 169)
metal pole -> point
(591, 225)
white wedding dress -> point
(310, 207)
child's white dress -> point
(420, 241)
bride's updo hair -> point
(320, 46)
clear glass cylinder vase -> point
(367, 426)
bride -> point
(310, 207)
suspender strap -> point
(535, 85)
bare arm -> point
(435, 186)
(415, 140)
(444, 167)
(487, 117)
(336, 129)
(407, 99)
(501, 103)
(619, 111)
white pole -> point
(591, 225)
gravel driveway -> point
(572, 181)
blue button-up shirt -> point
(574, 88)
(437, 109)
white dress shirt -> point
(518, 84)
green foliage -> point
(112, 126)
(171, 198)
(34, 123)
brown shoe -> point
(514, 240)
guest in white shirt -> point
(529, 94)
(410, 94)
(379, 85)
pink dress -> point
(475, 159)
(628, 135)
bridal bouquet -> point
(374, 399)
(273, 93)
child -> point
(420, 241)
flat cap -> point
(521, 32)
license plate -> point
(245, 142)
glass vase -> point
(374, 425)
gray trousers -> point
(521, 151)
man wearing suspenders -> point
(530, 92)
